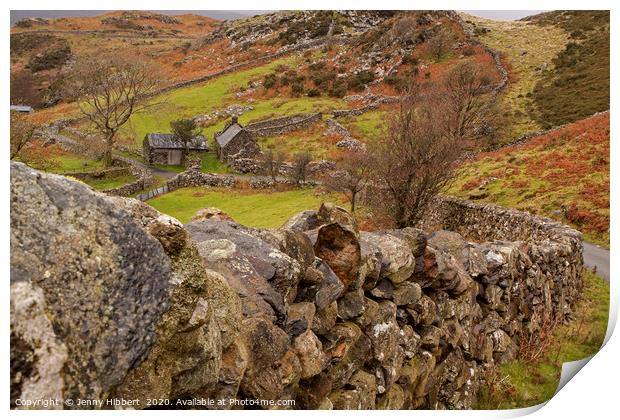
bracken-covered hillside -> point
(563, 174)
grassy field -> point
(563, 175)
(218, 93)
(367, 126)
(309, 139)
(56, 160)
(69, 162)
(248, 207)
(578, 86)
(524, 383)
(527, 49)
(110, 182)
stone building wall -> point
(316, 312)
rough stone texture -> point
(102, 290)
(281, 125)
(314, 311)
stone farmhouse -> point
(235, 142)
(164, 148)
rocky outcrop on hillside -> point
(110, 299)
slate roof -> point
(168, 141)
(21, 108)
(227, 135)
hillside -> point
(558, 64)
(563, 174)
(579, 84)
(44, 50)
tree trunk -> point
(107, 155)
(353, 197)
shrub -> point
(338, 90)
(270, 81)
(314, 93)
(50, 59)
(357, 81)
(23, 23)
(297, 88)
(410, 59)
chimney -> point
(234, 119)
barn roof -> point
(227, 135)
(168, 141)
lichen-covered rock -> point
(407, 293)
(326, 292)
(309, 350)
(330, 213)
(325, 319)
(84, 247)
(133, 288)
(299, 318)
(258, 296)
(398, 262)
(351, 304)
(303, 221)
(277, 268)
(393, 399)
(210, 213)
(273, 366)
(358, 395)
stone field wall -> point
(315, 312)
(282, 125)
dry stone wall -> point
(315, 312)
(282, 125)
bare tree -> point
(440, 43)
(272, 163)
(300, 167)
(22, 131)
(416, 160)
(110, 91)
(351, 175)
(465, 91)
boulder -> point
(393, 399)
(407, 293)
(325, 319)
(273, 365)
(134, 295)
(299, 318)
(330, 213)
(351, 304)
(258, 296)
(339, 247)
(303, 221)
(349, 349)
(281, 271)
(415, 238)
(309, 350)
(398, 262)
(210, 213)
(447, 241)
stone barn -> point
(234, 141)
(164, 148)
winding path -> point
(595, 257)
